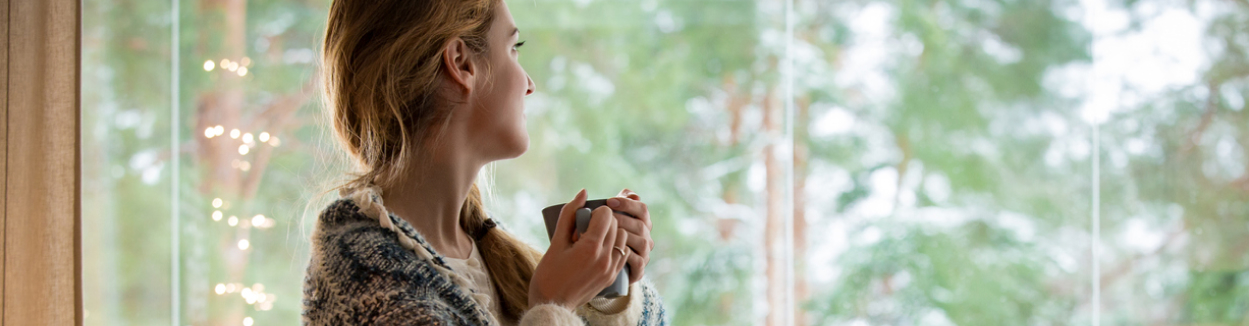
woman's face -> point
(497, 122)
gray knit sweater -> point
(361, 274)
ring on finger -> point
(621, 251)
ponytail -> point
(510, 261)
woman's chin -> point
(518, 147)
(524, 147)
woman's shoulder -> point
(345, 236)
(358, 264)
(345, 230)
(341, 212)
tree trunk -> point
(773, 245)
(801, 292)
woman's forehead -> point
(503, 20)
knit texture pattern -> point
(361, 274)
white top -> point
(474, 269)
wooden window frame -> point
(40, 109)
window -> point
(806, 162)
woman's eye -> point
(518, 45)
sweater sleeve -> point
(550, 315)
(641, 307)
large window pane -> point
(1175, 175)
(947, 179)
(253, 169)
(996, 103)
(126, 94)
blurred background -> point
(806, 162)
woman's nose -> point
(532, 87)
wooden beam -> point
(4, 134)
(42, 164)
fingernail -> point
(581, 194)
(613, 202)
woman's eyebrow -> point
(515, 31)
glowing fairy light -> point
(264, 137)
(217, 202)
(258, 220)
(210, 132)
(234, 133)
(247, 321)
(243, 149)
(242, 71)
(209, 65)
(221, 289)
(247, 138)
(243, 245)
(234, 220)
(216, 215)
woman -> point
(423, 93)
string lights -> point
(246, 142)
(254, 295)
(226, 65)
(245, 138)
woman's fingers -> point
(637, 265)
(632, 207)
(638, 227)
(640, 242)
(613, 232)
(601, 225)
(566, 227)
(633, 225)
(619, 257)
(629, 194)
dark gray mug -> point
(550, 215)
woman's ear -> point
(458, 61)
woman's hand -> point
(638, 227)
(571, 273)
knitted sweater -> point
(363, 273)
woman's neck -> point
(431, 199)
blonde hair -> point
(382, 67)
